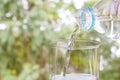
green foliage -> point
(29, 72)
(25, 43)
(90, 3)
(112, 72)
(24, 40)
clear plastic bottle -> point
(107, 24)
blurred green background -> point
(28, 26)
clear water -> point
(107, 31)
(73, 37)
(74, 77)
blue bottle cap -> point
(82, 18)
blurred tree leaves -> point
(25, 41)
(23, 38)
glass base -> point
(74, 77)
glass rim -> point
(95, 44)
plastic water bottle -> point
(90, 18)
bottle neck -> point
(107, 18)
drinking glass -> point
(79, 61)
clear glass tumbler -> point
(77, 62)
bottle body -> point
(108, 26)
